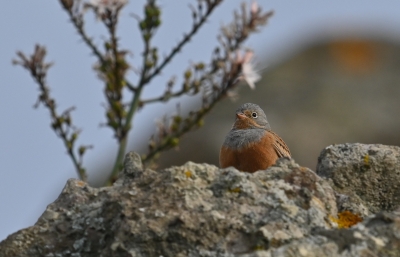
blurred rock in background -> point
(331, 92)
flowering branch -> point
(214, 81)
(148, 27)
(199, 18)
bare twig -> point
(61, 124)
(77, 21)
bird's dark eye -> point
(254, 114)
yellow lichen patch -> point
(188, 174)
(366, 159)
(259, 248)
(80, 183)
(346, 219)
(366, 162)
(303, 169)
(235, 190)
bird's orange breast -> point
(255, 156)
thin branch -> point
(78, 24)
(190, 90)
(164, 98)
(185, 40)
(61, 124)
(131, 87)
(165, 145)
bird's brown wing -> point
(280, 146)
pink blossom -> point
(254, 8)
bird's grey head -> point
(250, 116)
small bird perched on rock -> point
(251, 145)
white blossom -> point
(101, 7)
(249, 74)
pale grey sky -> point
(34, 166)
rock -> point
(376, 236)
(200, 210)
(192, 210)
(133, 168)
(366, 178)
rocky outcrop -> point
(366, 178)
(200, 210)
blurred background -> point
(330, 75)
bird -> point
(251, 145)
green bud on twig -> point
(173, 141)
(67, 4)
(82, 150)
(188, 74)
(149, 64)
(174, 127)
(107, 45)
(177, 119)
(74, 136)
(200, 123)
(199, 66)
(142, 25)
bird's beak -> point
(240, 116)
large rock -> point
(192, 210)
(366, 178)
(200, 210)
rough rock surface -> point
(200, 210)
(378, 236)
(366, 178)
